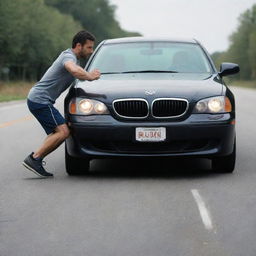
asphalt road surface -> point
(125, 207)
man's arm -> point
(80, 73)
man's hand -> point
(80, 73)
(93, 75)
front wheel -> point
(75, 165)
(225, 164)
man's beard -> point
(83, 55)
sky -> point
(211, 22)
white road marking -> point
(204, 212)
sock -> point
(37, 158)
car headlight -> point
(213, 105)
(87, 107)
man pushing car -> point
(64, 70)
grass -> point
(17, 90)
(241, 83)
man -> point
(42, 96)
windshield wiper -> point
(151, 71)
(110, 73)
(141, 71)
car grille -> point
(169, 107)
(134, 108)
(161, 108)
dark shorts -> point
(47, 115)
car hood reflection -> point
(188, 86)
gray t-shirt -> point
(55, 81)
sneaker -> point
(36, 167)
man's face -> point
(86, 49)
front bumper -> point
(201, 135)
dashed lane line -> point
(204, 212)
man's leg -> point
(54, 125)
(53, 141)
(33, 162)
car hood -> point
(192, 87)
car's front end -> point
(150, 113)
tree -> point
(34, 32)
(31, 35)
(97, 16)
(242, 49)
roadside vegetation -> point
(34, 32)
(14, 90)
(241, 83)
(242, 48)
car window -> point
(157, 56)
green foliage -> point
(217, 58)
(252, 54)
(31, 35)
(34, 32)
(242, 48)
(97, 16)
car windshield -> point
(151, 57)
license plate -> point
(150, 134)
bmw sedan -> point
(155, 98)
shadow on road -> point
(152, 168)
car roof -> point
(149, 39)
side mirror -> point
(228, 69)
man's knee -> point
(64, 131)
(66, 134)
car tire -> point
(225, 164)
(75, 165)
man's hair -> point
(81, 38)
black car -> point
(155, 98)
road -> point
(124, 207)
